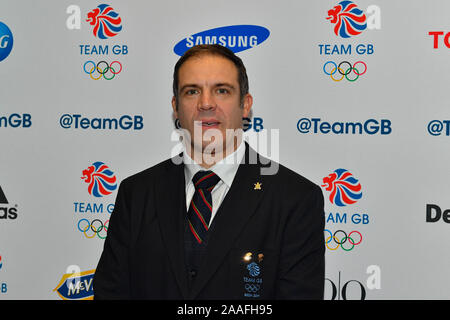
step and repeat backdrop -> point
(352, 95)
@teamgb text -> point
(369, 126)
(102, 69)
(438, 127)
(344, 69)
(93, 228)
(340, 239)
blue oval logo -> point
(6, 41)
(236, 38)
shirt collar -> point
(225, 169)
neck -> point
(206, 157)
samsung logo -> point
(236, 38)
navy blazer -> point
(266, 240)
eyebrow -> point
(193, 85)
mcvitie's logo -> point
(76, 286)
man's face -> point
(209, 97)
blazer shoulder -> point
(284, 179)
(289, 175)
(150, 175)
(292, 182)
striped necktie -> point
(200, 209)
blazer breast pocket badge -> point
(252, 280)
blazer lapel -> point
(171, 210)
(238, 206)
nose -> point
(206, 101)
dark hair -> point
(218, 50)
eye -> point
(222, 91)
(190, 92)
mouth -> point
(209, 123)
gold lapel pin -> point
(260, 257)
(248, 256)
(257, 186)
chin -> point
(213, 147)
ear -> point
(247, 105)
(174, 107)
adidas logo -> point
(6, 212)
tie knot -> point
(205, 180)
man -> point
(211, 226)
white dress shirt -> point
(225, 169)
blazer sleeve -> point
(111, 279)
(302, 258)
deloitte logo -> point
(236, 38)
(6, 41)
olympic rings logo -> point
(103, 69)
(345, 71)
(341, 239)
(91, 229)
